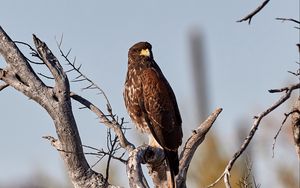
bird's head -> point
(139, 52)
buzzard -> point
(151, 103)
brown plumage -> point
(151, 103)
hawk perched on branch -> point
(151, 103)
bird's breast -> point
(133, 95)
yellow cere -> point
(145, 52)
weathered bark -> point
(158, 169)
(134, 168)
(155, 160)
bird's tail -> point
(173, 162)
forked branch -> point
(253, 13)
(191, 146)
(103, 118)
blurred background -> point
(210, 61)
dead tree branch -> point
(134, 168)
(155, 160)
(81, 76)
(253, 13)
(280, 128)
(34, 53)
(56, 101)
(103, 118)
(101, 153)
(288, 19)
(157, 167)
(191, 146)
(256, 123)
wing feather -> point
(161, 108)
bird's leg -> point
(156, 165)
(153, 142)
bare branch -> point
(191, 145)
(110, 124)
(61, 80)
(158, 168)
(61, 40)
(280, 128)
(288, 19)
(48, 77)
(34, 53)
(253, 13)
(111, 150)
(254, 127)
(286, 89)
(135, 174)
(104, 153)
(244, 182)
(77, 69)
(295, 74)
(19, 73)
(30, 47)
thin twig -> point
(286, 89)
(254, 182)
(288, 19)
(293, 73)
(77, 69)
(290, 113)
(100, 159)
(279, 130)
(244, 182)
(253, 13)
(48, 77)
(275, 138)
(33, 53)
(103, 153)
(100, 154)
(217, 180)
(112, 151)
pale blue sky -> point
(243, 63)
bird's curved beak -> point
(145, 52)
